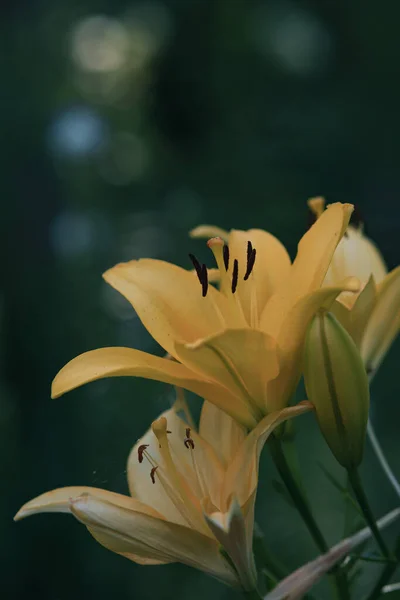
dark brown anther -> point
(189, 443)
(168, 431)
(152, 474)
(140, 451)
(197, 266)
(204, 281)
(251, 259)
(235, 275)
(225, 254)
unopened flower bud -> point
(337, 385)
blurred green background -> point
(125, 124)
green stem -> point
(265, 558)
(362, 500)
(385, 576)
(301, 503)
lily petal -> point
(242, 474)
(314, 254)
(220, 431)
(316, 248)
(384, 322)
(356, 255)
(290, 338)
(59, 500)
(117, 362)
(271, 268)
(242, 360)
(230, 530)
(362, 310)
(169, 302)
(128, 532)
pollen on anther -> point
(197, 266)
(235, 275)
(225, 254)
(204, 280)
(140, 451)
(152, 474)
(189, 443)
(251, 259)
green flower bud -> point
(337, 385)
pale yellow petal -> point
(362, 310)
(356, 255)
(290, 339)
(169, 301)
(209, 231)
(220, 431)
(230, 530)
(118, 362)
(383, 325)
(271, 268)
(242, 360)
(199, 467)
(127, 532)
(59, 500)
(242, 475)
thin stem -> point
(301, 503)
(382, 458)
(385, 576)
(362, 500)
(265, 557)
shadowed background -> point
(125, 125)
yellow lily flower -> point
(372, 317)
(238, 346)
(192, 494)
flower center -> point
(185, 486)
(229, 279)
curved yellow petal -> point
(383, 323)
(356, 255)
(242, 475)
(230, 530)
(129, 532)
(290, 339)
(316, 248)
(242, 360)
(222, 432)
(169, 301)
(59, 500)
(361, 311)
(271, 268)
(120, 362)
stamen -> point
(251, 259)
(197, 267)
(225, 252)
(235, 275)
(140, 451)
(152, 474)
(204, 281)
(189, 443)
